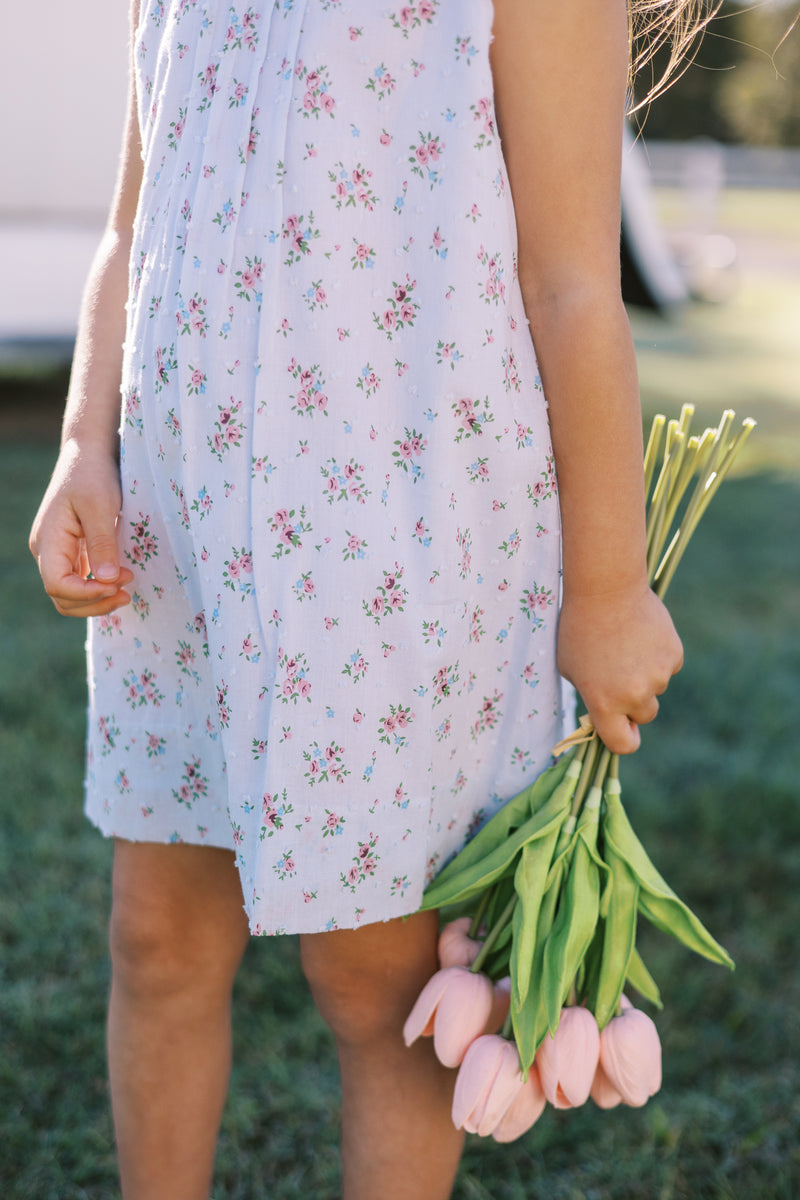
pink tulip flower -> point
(501, 1000)
(524, 1110)
(454, 1006)
(603, 1092)
(630, 1057)
(455, 948)
(487, 1083)
(567, 1062)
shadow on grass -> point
(713, 792)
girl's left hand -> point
(74, 537)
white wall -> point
(62, 101)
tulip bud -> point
(567, 1061)
(524, 1110)
(461, 1015)
(455, 948)
(603, 1092)
(454, 1006)
(486, 1085)
(501, 1000)
(630, 1055)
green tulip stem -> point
(653, 444)
(693, 461)
(480, 911)
(585, 776)
(613, 767)
(601, 770)
(719, 463)
(655, 515)
(593, 774)
(494, 934)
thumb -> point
(100, 534)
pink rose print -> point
(299, 231)
(356, 666)
(176, 129)
(423, 157)
(493, 288)
(391, 728)
(408, 451)
(472, 416)
(390, 596)
(141, 689)
(310, 397)
(412, 16)
(333, 826)
(483, 115)
(325, 764)
(489, 714)
(142, 544)
(365, 862)
(534, 601)
(401, 311)
(274, 810)
(381, 82)
(317, 98)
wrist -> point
(606, 585)
(86, 434)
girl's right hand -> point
(74, 534)
(620, 650)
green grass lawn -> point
(713, 793)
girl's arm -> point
(560, 74)
(74, 533)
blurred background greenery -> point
(743, 83)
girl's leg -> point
(397, 1138)
(178, 932)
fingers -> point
(74, 534)
(87, 607)
(618, 733)
(78, 559)
(75, 595)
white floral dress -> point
(339, 495)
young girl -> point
(325, 588)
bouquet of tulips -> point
(551, 889)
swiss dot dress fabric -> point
(339, 496)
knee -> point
(148, 954)
(162, 947)
(364, 982)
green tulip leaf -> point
(476, 877)
(619, 939)
(586, 980)
(507, 820)
(588, 828)
(561, 861)
(529, 1020)
(530, 882)
(502, 892)
(572, 931)
(657, 901)
(672, 916)
(640, 978)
